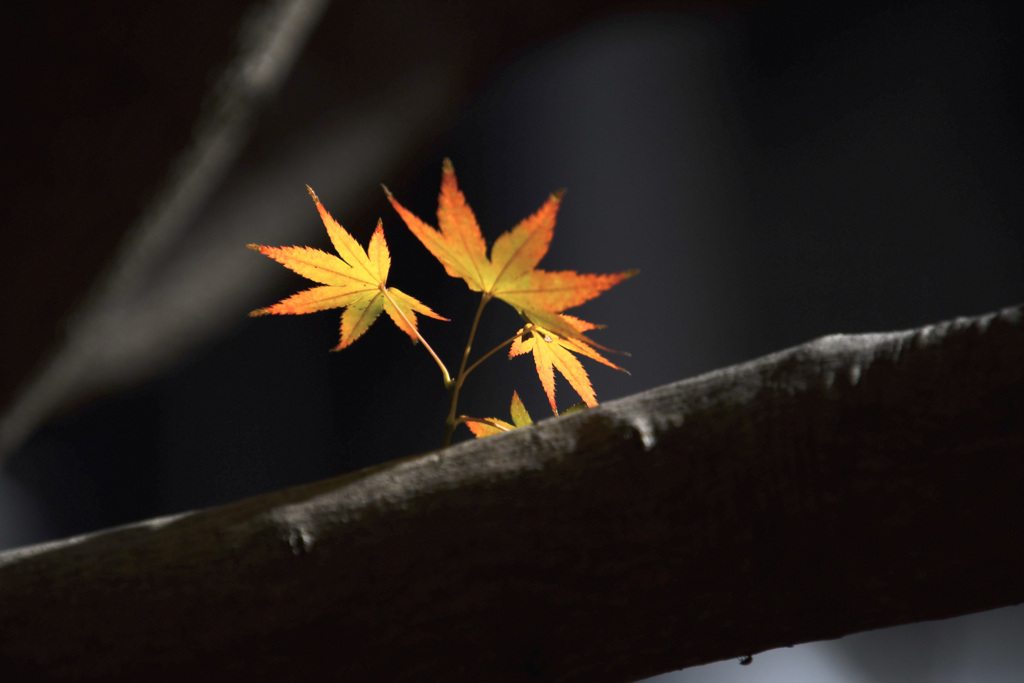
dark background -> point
(777, 171)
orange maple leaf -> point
(510, 273)
(552, 351)
(356, 282)
(492, 425)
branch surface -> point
(851, 483)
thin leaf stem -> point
(450, 422)
(444, 370)
(526, 328)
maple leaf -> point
(510, 273)
(552, 351)
(492, 425)
(356, 282)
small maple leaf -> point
(551, 351)
(357, 282)
(510, 273)
(492, 425)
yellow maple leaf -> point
(492, 425)
(552, 351)
(356, 282)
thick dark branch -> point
(850, 483)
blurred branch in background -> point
(780, 170)
(178, 276)
(120, 332)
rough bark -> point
(850, 483)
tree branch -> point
(850, 483)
